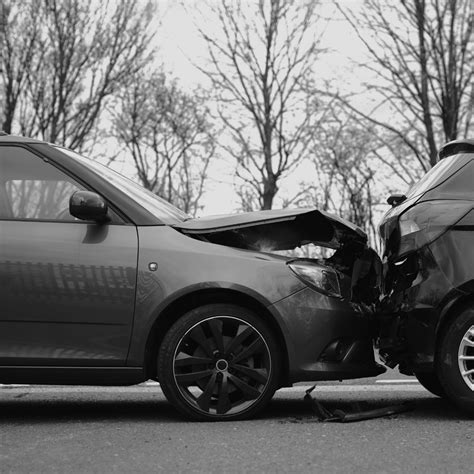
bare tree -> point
(261, 62)
(62, 60)
(422, 56)
(169, 137)
(347, 169)
(19, 32)
(349, 155)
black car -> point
(428, 324)
(104, 283)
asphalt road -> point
(90, 429)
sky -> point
(180, 45)
(180, 48)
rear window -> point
(438, 174)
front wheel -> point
(219, 362)
(456, 361)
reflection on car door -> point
(67, 287)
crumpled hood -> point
(282, 229)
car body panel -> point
(72, 375)
(246, 272)
(425, 287)
(425, 284)
(343, 350)
(280, 229)
(213, 267)
(70, 297)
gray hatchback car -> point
(104, 283)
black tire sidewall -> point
(178, 330)
(447, 362)
(430, 381)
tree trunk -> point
(425, 101)
(269, 190)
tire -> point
(219, 362)
(455, 360)
(431, 382)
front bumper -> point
(327, 338)
(419, 290)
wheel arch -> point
(452, 310)
(184, 303)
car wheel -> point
(219, 362)
(456, 361)
(431, 382)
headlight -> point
(425, 222)
(319, 277)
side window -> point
(31, 188)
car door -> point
(67, 287)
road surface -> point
(133, 429)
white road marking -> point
(403, 381)
(353, 388)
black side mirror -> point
(396, 199)
(88, 206)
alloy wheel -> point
(466, 358)
(222, 366)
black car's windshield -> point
(160, 208)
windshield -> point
(157, 206)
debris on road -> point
(324, 414)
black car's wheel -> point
(431, 382)
(456, 361)
(219, 362)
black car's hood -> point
(274, 230)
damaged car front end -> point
(329, 323)
(427, 313)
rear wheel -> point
(431, 382)
(456, 361)
(219, 362)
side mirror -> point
(88, 206)
(396, 199)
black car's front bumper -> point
(420, 290)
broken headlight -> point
(425, 222)
(319, 277)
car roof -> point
(464, 145)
